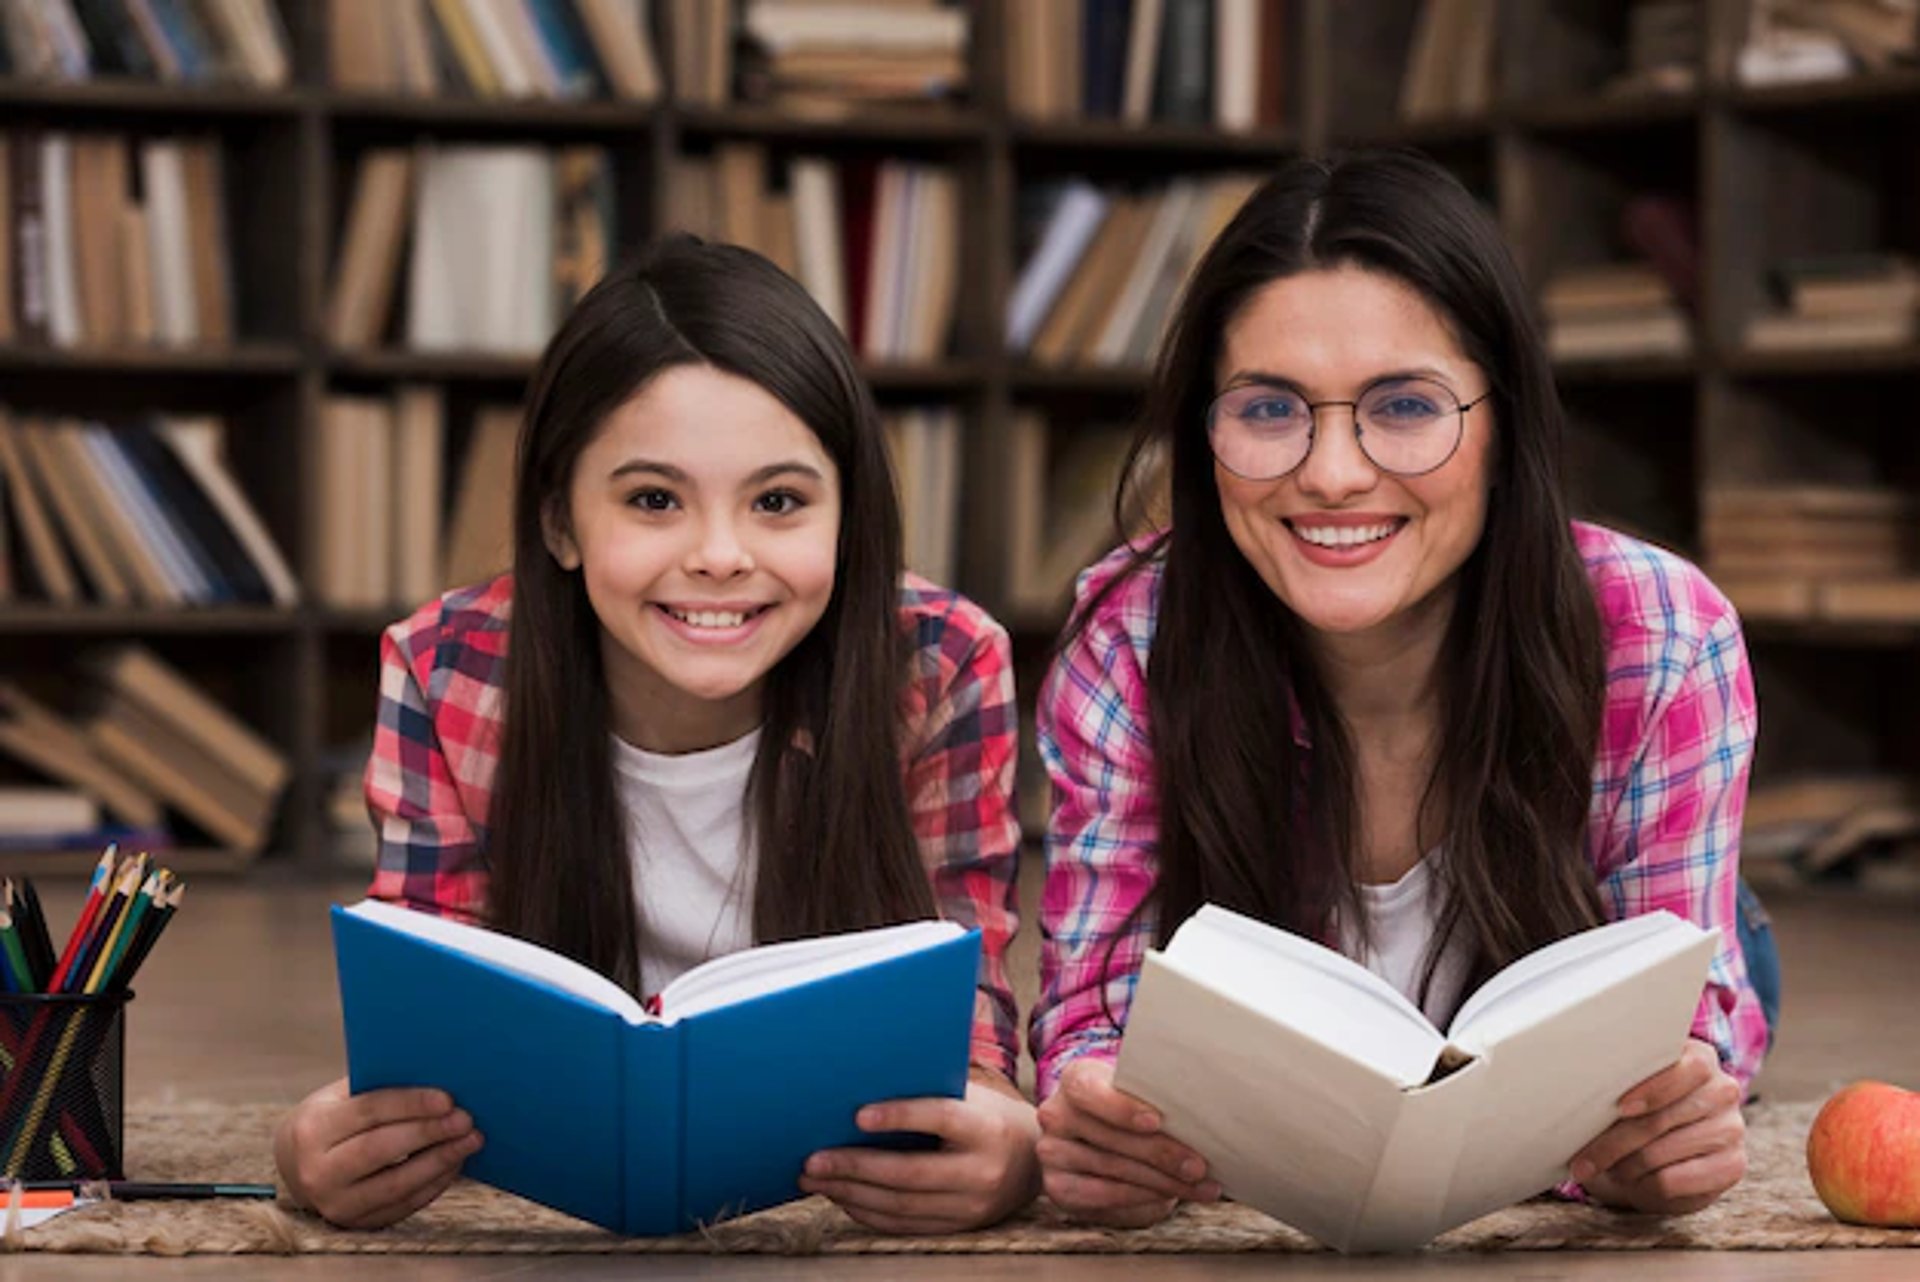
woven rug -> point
(1773, 1209)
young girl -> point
(1372, 685)
(704, 711)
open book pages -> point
(1321, 1096)
(724, 981)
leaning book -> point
(648, 1123)
(1320, 1095)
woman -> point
(1372, 685)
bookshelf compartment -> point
(1567, 50)
(1831, 195)
(1629, 459)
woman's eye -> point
(652, 500)
(1273, 409)
(779, 503)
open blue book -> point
(650, 1124)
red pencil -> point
(102, 877)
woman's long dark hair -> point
(1248, 820)
(826, 804)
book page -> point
(769, 968)
(1563, 972)
(1553, 1070)
(1310, 988)
(507, 953)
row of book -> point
(381, 531)
(1192, 62)
(1450, 62)
(556, 49)
(141, 513)
(1833, 302)
(877, 244)
(1106, 266)
(924, 444)
(144, 745)
(1789, 41)
(107, 241)
(540, 220)
(240, 42)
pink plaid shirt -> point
(429, 781)
(1669, 785)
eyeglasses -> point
(1406, 426)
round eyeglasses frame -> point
(1359, 432)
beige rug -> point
(1773, 1209)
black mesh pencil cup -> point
(62, 1085)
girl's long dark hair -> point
(826, 803)
(1247, 819)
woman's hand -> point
(1102, 1156)
(367, 1161)
(983, 1171)
(1679, 1144)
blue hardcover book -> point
(645, 1123)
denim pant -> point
(1762, 954)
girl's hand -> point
(1679, 1144)
(983, 1171)
(1103, 1159)
(367, 1161)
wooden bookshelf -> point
(1772, 171)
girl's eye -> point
(652, 500)
(779, 503)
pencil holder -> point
(62, 1085)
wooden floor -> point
(238, 1003)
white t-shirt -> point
(1403, 917)
(692, 868)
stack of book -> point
(37, 817)
(91, 263)
(378, 495)
(212, 41)
(1106, 266)
(1192, 62)
(814, 57)
(1818, 822)
(924, 443)
(1796, 40)
(1839, 301)
(1060, 499)
(1844, 554)
(141, 513)
(565, 49)
(147, 740)
(876, 243)
(1450, 62)
(541, 220)
(1665, 39)
(1614, 310)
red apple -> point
(1864, 1155)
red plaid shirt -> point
(429, 781)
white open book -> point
(1320, 1095)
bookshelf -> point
(1772, 171)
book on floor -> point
(647, 1122)
(1322, 1096)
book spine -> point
(30, 287)
(653, 1129)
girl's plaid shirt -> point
(1669, 785)
(429, 780)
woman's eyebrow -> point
(1242, 377)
